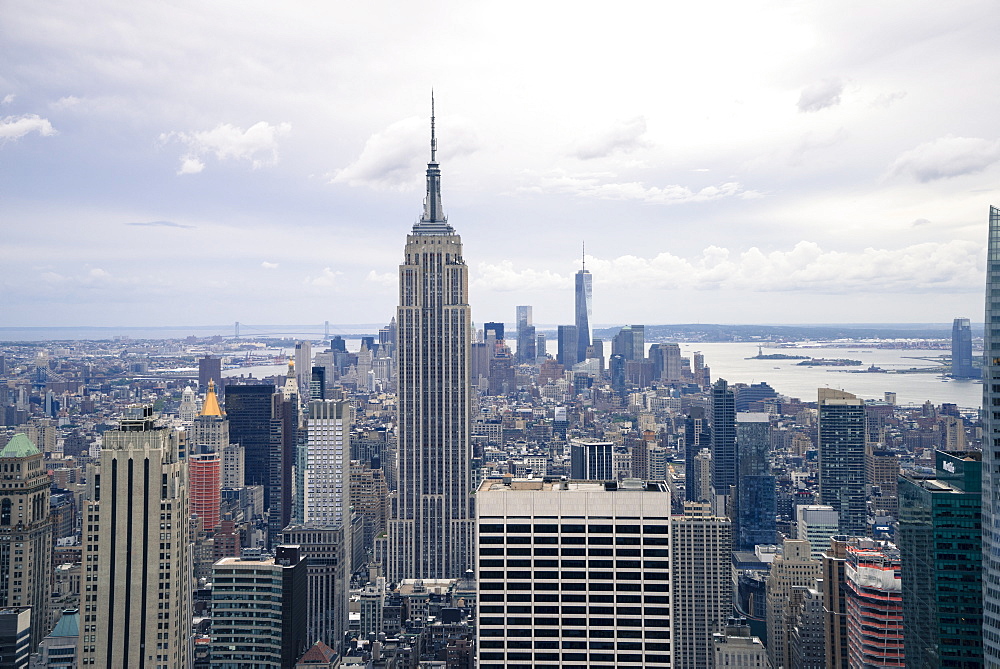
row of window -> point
(589, 658)
(566, 596)
(574, 528)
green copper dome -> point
(19, 447)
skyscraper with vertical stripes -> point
(431, 524)
(991, 449)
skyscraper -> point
(723, 441)
(25, 534)
(842, 457)
(583, 309)
(432, 525)
(756, 503)
(137, 608)
(991, 450)
(961, 349)
(526, 347)
(209, 369)
(567, 346)
(249, 412)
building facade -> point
(574, 574)
(961, 349)
(583, 308)
(431, 531)
(874, 605)
(136, 556)
(842, 458)
(991, 449)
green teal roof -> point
(19, 447)
(68, 625)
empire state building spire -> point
(433, 221)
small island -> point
(775, 356)
(830, 362)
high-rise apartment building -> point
(574, 574)
(834, 589)
(431, 531)
(205, 485)
(792, 573)
(701, 545)
(326, 480)
(697, 435)
(259, 610)
(842, 458)
(583, 309)
(303, 366)
(991, 449)
(961, 349)
(756, 501)
(940, 544)
(25, 534)
(136, 557)
(724, 460)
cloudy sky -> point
(738, 162)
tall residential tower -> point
(432, 526)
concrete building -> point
(205, 485)
(835, 602)
(15, 637)
(431, 531)
(25, 534)
(874, 605)
(328, 575)
(701, 565)
(592, 460)
(137, 596)
(816, 523)
(251, 630)
(597, 591)
(327, 481)
(791, 574)
(736, 647)
(59, 649)
(806, 638)
(209, 431)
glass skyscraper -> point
(991, 449)
(961, 349)
(584, 308)
(842, 458)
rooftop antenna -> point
(434, 142)
(583, 245)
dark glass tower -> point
(723, 437)
(432, 525)
(756, 502)
(842, 458)
(940, 542)
(961, 349)
(249, 412)
(567, 346)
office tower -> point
(205, 484)
(723, 442)
(326, 481)
(567, 346)
(369, 494)
(961, 349)
(209, 431)
(616, 367)
(697, 435)
(670, 355)
(756, 501)
(874, 605)
(328, 575)
(136, 553)
(59, 649)
(816, 523)
(630, 342)
(806, 638)
(188, 407)
(317, 383)
(940, 544)
(591, 460)
(254, 630)
(736, 647)
(15, 637)
(496, 328)
(991, 450)
(25, 534)
(526, 348)
(881, 475)
(431, 531)
(701, 481)
(834, 589)
(303, 364)
(598, 590)
(249, 411)
(233, 466)
(842, 458)
(541, 349)
(583, 309)
(284, 435)
(209, 369)
(700, 550)
(793, 567)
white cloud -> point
(953, 266)
(66, 102)
(592, 186)
(387, 279)
(7, 99)
(626, 136)
(15, 127)
(269, 265)
(391, 159)
(820, 95)
(325, 279)
(947, 157)
(258, 144)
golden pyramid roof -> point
(210, 407)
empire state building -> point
(431, 527)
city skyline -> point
(804, 168)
